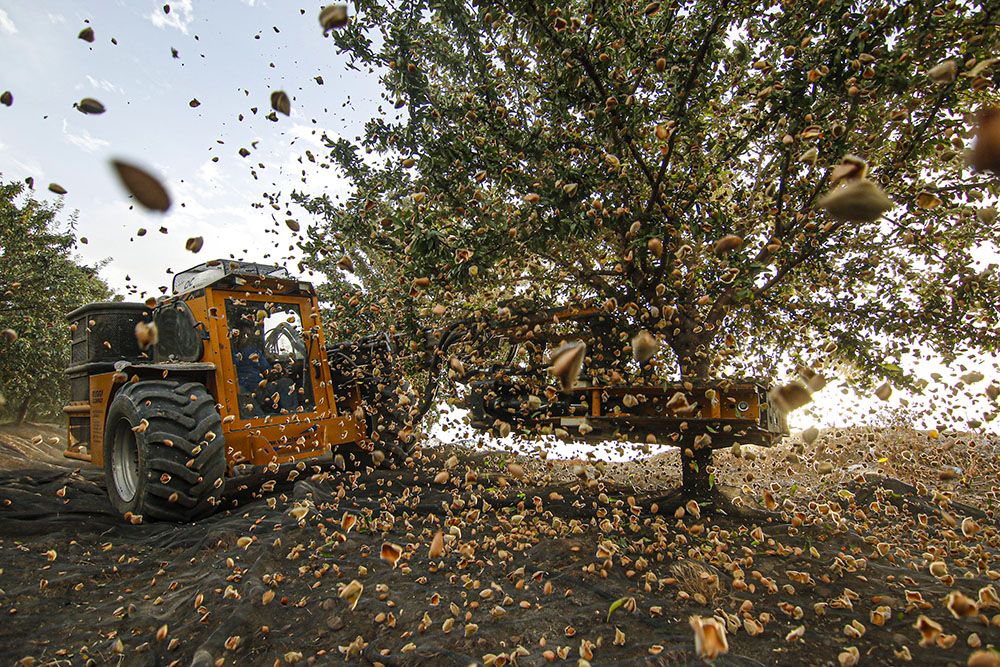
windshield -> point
(270, 358)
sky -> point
(231, 54)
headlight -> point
(742, 406)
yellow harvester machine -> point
(227, 374)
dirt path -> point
(526, 570)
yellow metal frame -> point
(723, 406)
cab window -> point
(270, 358)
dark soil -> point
(521, 576)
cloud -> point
(104, 84)
(55, 18)
(84, 141)
(297, 172)
(180, 17)
(6, 25)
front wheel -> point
(164, 453)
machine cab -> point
(267, 352)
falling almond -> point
(928, 200)
(986, 152)
(727, 243)
(644, 346)
(678, 403)
(6, 98)
(145, 187)
(988, 598)
(972, 377)
(791, 396)
(943, 72)
(960, 605)
(87, 34)
(293, 225)
(88, 105)
(929, 630)
(567, 362)
(884, 391)
(194, 243)
(351, 593)
(56, 188)
(709, 637)
(281, 103)
(983, 659)
(969, 527)
(655, 246)
(146, 334)
(437, 545)
(851, 168)
(333, 17)
(347, 521)
(346, 263)
(856, 201)
(391, 553)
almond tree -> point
(751, 181)
(40, 282)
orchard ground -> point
(545, 560)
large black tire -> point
(164, 453)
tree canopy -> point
(40, 282)
(676, 163)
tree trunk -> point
(694, 470)
(22, 412)
(694, 368)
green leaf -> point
(614, 607)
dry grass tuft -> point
(699, 580)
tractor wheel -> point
(164, 454)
